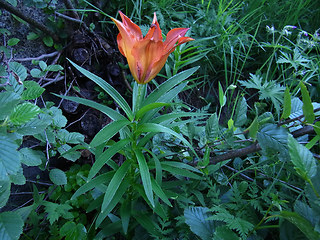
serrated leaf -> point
(67, 152)
(240, 116)
(31, 157)
(273, 138)
(5, 187)
(58, 177)
(302, 224)
(307, 104)
(196, 218)
(35, 126)
(54, 68)
(72, 231)
(48, 41)
(212, 127)
(8, 100)
(37, 73)
(10, 226)
(223, 233)
(23, 113)
(32, 91)
(59, 120)
(302, 158)
(286, 104)
(9, 158)
(18, 69)
(55, 211)
(13, 41)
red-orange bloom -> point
(147, 55)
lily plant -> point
(139, 176)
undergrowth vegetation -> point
(223, 144)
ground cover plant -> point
(161, 120)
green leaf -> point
(301, 223)
(147, 223)
(55, 211)
(168, 85)
(5, 187)
(222, 97)
(48, 41)
(114, 115)
(125, 214)
(307, 104)
(54, 68)
(116, 96)
(108, 132)
(32, 91)
(13, 41)
(223, 233)
(240, 117)
(69, 153)
(9, 158)
(302, 159)
(32, 36)
(72, 231)
(106, 156)
(35, 126)
(8, 100)
(196, 217)
(273, 138)
(212, 127)
(159, 192)
(286, 104)
(58, 177)
(149, 107)
(145, 176)
(10, 225)
(114, 184)
(31, 157)
(18, 69)
(23, 113)
(179, 171)
(43, 65)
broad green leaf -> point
(54, 68)
(70, 137)
(114, 185)
(157, 128)
(147, 223)
(159, 192)
(43, 65)
(286, 104)
(106, 156)
(10, 226)
(124, 185)
(307, 104)
(108, 132)
(168, 85)
(58, 177)
(19, 69)
(114, 115)
(240, 117)
(37, 73)
(35, 126)
(223, 233)
(13, 41)
(196, 217)
(23, 113)
(8, 100)
(302, 159)
(32, 91)
(145, 175)
(212, 127)
(18, 178)
(32, 36)
(108, 88)
(273, 138)
(253, 128)
(9, 158)
(31, 157)
(56, 210)
(301, 223)
(69, 153)
(71, 231)
(91, 184)
(5, 187)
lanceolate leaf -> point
(240, 116)
(302, 158)
(286, 104)
(114, 184)
(145, 175)
(108, 132)
(106, 155)
(108, 88)
(159, 192)
(212, 127)
(307, 104)
(303, 224)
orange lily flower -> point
(147, 55)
